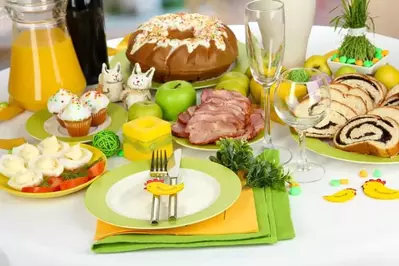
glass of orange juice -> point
(43, 58)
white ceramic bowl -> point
(334, 66)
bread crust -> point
(346, 89)
(382, 90)
(367, 147)
(390, 99)
(391, 110)
(201, 64)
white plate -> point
(128, 198)
(52, 127)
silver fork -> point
(159, 165)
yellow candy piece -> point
(363, 173)
(341, 196)
(385, 52)
(375, 60)
(344, 181)
(294, 184)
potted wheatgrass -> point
(356, 49)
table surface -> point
(361, 232)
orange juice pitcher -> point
(43, 58)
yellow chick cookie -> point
(158, 188)
(341, 196)
(376, 189)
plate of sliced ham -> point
(221, 114)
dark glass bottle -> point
(85, 20)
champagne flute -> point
(303, 105)
(265, 38)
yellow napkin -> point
(239, 218)
(121, 46)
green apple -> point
(318, 62)
(233, 85)
(144, 108)
(238, 76)
(344, 70)
(174, 97)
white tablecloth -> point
(59, 232)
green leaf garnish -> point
(267, 174)
(262, 171)
(235, 154)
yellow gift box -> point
(144, 135)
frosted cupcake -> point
(59, 101)
(98, 103)
(77, 118)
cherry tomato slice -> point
(55, 182)
(68, 184)
(96, 170)
(37, 189)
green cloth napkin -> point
(274, 220)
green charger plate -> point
(35, 124)
(323, 148)
(210, 147)
(241, 65)
(95, 199)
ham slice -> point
(225, 117)
(218, 109)
(179, 130)
(224, 97)
(184, 117)
(221, 114)
(204, 132)
(258, 122)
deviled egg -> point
(47, 165)
(75, 157)
(27, 178)
(11, 164)
(51, 146)
(26, 151)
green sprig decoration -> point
(107, 141)
(355, 15)
(261, 171)
(299, 75)
(267, 174)
(235, 154)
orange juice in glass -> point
(43, 59)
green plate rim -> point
(35, 124)
(95, 198)
(240, 66)
(321, 147)
(210, 147)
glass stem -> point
(303, 160)
(267, 139)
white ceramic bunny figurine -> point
(138, 86)
(111, 83)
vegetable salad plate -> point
(327, 149)
(43, 124)
(211, 147)
(72, 186)
(241, 65)
(118, 197)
